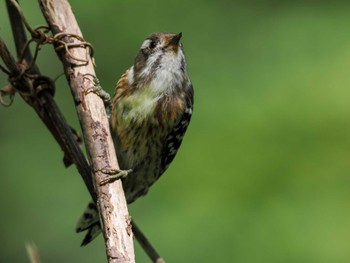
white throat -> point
(169, 74)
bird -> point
(151, 110)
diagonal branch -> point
(111, 201)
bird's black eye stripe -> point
(152, 44)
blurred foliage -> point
(263, 174)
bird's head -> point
(159, 51)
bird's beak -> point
(175, 40)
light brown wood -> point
(111, 201)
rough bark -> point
(111, 201)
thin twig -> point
(146, 245)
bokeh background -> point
(263, 174)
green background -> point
(263, 174)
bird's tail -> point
(89, 221)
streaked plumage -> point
(151, 109)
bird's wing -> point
(174, 139)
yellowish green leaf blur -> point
(263, 174)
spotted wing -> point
(174, 139)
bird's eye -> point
(152, 44)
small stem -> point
(146, 245)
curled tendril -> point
(40, 36)
(41, 83)
(20, 12)
(82, 44)
(7, 91)
(3, 69)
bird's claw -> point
(114, 174)
(97, 89)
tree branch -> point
(111, 201)
(146, 245)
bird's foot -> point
(97, 89)
(113, 175)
